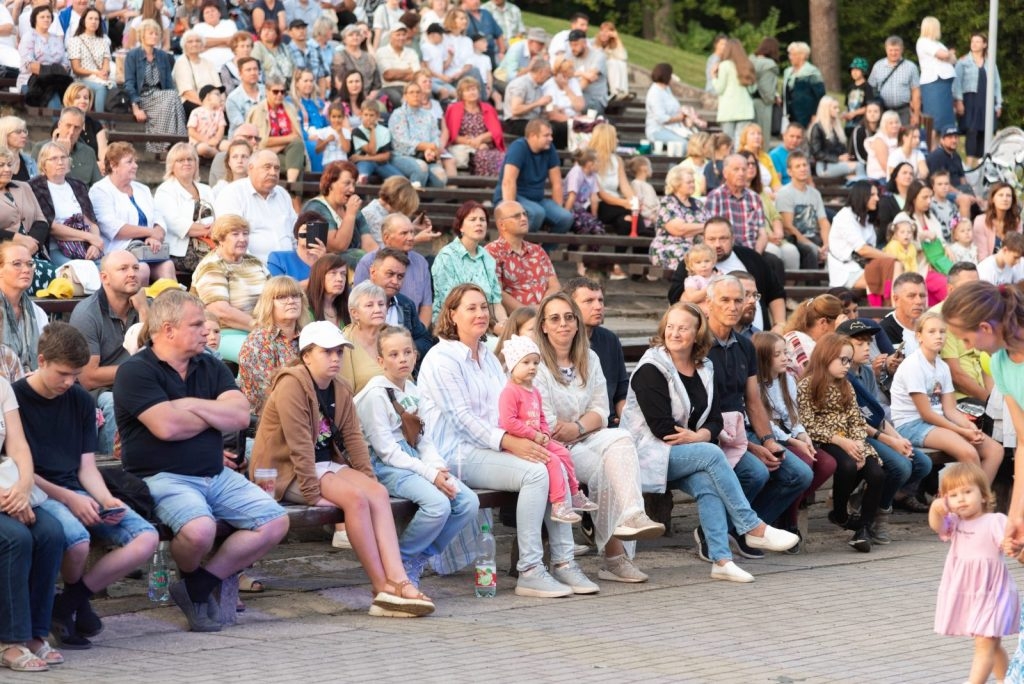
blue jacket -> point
(421, 337)
(966, 80)
(135, 71)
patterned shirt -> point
(240, 285)
(745, 213)
(668, 250)
(262, 353)
(509, 18)
(454, 265)
(411, 126)
(524, 274)
(835, 417)
(895, 92)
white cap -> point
(323, 334)
(902, 217)
(515, 348)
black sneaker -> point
(795, 549)
(702, 544)
(67, 637)
(87, 622)
(739, 545)
(861, 540)
(587, 529)
(851, 523)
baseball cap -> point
(297, 23)
(857, 327)
(950, 130)
(859, 63)
(323, 334)
(577, 34)
(207, 89)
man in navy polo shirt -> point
(529, 163)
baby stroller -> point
(1003, 162)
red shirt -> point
(524, 275)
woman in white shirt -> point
(852, 241)
(909, 150)
(565, 92)
(937, 74)
(187, 208)
(882, 144)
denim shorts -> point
(228, 497)
(130, 527)
(294, 493)
(916, 431)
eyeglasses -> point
(556, 319)
(515, 217)
(287, 297)
(277, 91)
(846, 360)
(20, 130)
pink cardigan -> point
(453, 119)
(985, 237)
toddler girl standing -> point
(520, 414)
(977, 595)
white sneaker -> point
(620, 569)
(537, 583)
(774, 539)
(639, 526)
(340, 540)
(730, 572)
(571, 575)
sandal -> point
(418, 605)
(49, 655)
(26, 661)
(249, 585)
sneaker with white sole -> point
(879, 529)
(774, 539)
(580, 502)
(639, 526)
(340, 540)
(730, 572)
(571, 575)
(620, 569)
(737, 542)
(702, 544)
(537, 583)
(561, 512)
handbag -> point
(52, 79)
(9, 477)
(141, 251)
(132, 490)
(412, 425)
(74, 249)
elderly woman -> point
(339, 206)
(127, 215)
(241, 46)
(279, 315)
(236, 164)
(150, 85)
(30, 556)
(680, 219)
(575, 397)
(464, 260)
(812, 319)
(43, 55)
(297, 262)
(229, 281)
(94, 134)
(475, 129)
(937, 74)
(416, 140)
(351, 57)
(280, 131)
(66, 207)
(331, 467)
(673, 412)
(89, 54)
(802, 84)
(460, 381)
(217, 33)
(327, 290)
(187, 208)
(666, 120)
(367, 308)
(272, 54)
(828, 142)
(14, 138)
(23, 320)
(23, 222)
(192, 71)
(853, 240)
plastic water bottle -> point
(486, 570)
(159, 576)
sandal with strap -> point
(249, 585)
(26, 661)
(49, 655)
(418, 605)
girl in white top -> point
(924, 406)
(909, 150)
(882, 144)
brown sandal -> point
(394, 600)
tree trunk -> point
(824, 21)
(657, 22)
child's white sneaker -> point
(561, 512)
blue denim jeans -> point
(419, 171)
(131, 526)
(900, 472)
(548, 210)
(383, 170)
(770, 493)
(486, 469)
(438, 519)
(701, 470)
(99, 94)
(30, 554)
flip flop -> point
(249, 585)
(26, 661)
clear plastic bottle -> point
(486, 569)
(159, 576)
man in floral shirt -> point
(524, 269)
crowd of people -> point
(371, 372)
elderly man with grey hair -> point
(399, 233)
(897, 82)
(261, 201)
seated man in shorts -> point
(172, 404)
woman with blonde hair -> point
(614, 190)
(680, 219)
(802, 84)
(811, 320)
(150, 85)
(752, 140)
(733, 77)
(828, 142)
(94, 134)
(883, 144)
(14, 137)
(697, 154)
(938, 71)
(187, 208)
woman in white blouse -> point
(937, 73)
(89, 52)
(566, 94)
(665, 116)
(187, 207)
(192, 71)
(460, 382)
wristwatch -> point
(580, 426)
(765, 438)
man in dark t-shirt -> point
(589, 297)
(65, 467)
(529, 163)
(172, 402)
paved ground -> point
(827, 615)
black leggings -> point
(619, 221)
(847, 477)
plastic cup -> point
(266, 479)
(659, 147)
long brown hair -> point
(818, 377)
(1012, 219)
(579, 352)
(744, 68)
(315, 290)
(998, 305)
(764, 348)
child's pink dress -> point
(977, 595)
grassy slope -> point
(687, 66)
